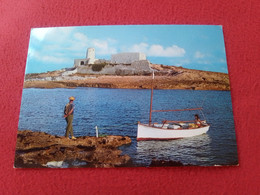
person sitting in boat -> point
(198, 122)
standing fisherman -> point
(68, 115)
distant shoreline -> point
(166, 77)
(131, 82)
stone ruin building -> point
(131, 63)
(127, 58)
(90, 58)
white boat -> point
(169, 129)
(167, 132)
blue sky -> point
(198, 47)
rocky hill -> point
(166, 77)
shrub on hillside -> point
(98, 67)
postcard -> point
(126, 96)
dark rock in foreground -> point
(39, 149)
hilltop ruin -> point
(126, 70)
(131, 63)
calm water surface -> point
(116, 112)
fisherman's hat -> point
(71, 98)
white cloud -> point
(54, 59)
(80, 37)
(103, 47)
(199, 55)
(30, 52)
(60, 35)
(158, 50)
(100, 44)
(76, 47)
(40, 33)
(58, 44)
(142, 47)
(173, 51)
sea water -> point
(117, 111)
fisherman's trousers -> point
(69, 129)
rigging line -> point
(203, 115)
(204, 100)
(188, 109)
(201, 112)
(201, 105)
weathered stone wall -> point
(136, 68)
(77, 62)
(87, 69)
(141, 65)
(127, 58)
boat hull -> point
(146, 132)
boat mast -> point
(151, 102)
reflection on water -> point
(194, 150)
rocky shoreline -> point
(42, 150)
